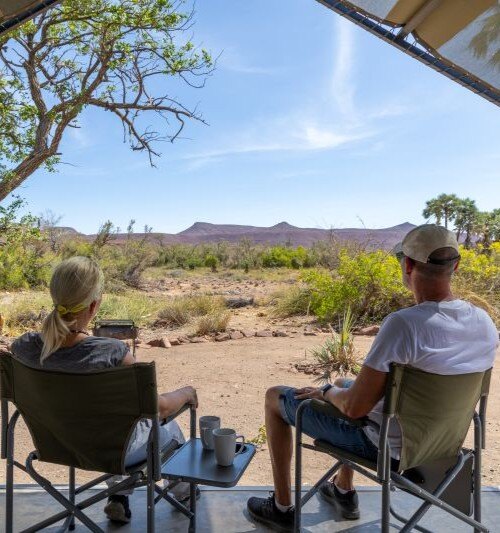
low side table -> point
(193, 464)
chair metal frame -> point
(143, 477)
(389, 478)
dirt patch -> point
(232, 377)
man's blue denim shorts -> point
(336, 431)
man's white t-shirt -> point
(449, 337)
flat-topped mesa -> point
(279, 234)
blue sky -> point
(311, 120)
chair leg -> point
(477, 470)
(72, 495)
(192, 508)
(150, 488)
(9, 492)
(298, 466)
(386, 497)
(386, 506)
(9, 475)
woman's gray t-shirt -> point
(92, 353)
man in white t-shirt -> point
(440, 334)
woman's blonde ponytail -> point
(75, 284)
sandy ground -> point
(232, 378)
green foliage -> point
(261, 437)
(469, 221)
(368, 282)
(337, 355)
(110, 54)
(487, 227)
(211, 262)
(23, 261)
(131, 305)
(444, 207)
(281, 256)
(480, 273)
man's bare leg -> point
(279, 438)
(344, 478)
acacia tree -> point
(116, 55)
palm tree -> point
(465, 218)
(487, 227)
(442, 207)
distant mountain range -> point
(282, 233)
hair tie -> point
(65, 311)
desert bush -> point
(479, 273)
(24, 311)
(295, 301)
(211, 262)
(179, 311)
(213, 322)
(369, 283)
(281, 256)
(131, 305)
(337, 355)
(261, 438)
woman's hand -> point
(309, 393)
(190, 395)
(170, 403)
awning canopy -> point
(459, 38)
(14, 12)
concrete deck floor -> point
(223, 511)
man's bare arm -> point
(362, 396)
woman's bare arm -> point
(169, 402)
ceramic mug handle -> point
(203, 433)
(242, 447)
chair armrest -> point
(329, 409)
(173, 416)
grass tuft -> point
(337, 355)
(214, 322)
(292, 302)
(181, 310)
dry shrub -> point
(215, 322)
(24, 312)
(481, 302)
(176, 313)
(181, 310)
(292, 302)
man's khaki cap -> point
(422, 241)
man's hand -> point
(309, 393)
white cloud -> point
(79, 138)
(333, 123)
(289, 134)
(230, 59)
(342, 85)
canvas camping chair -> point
(84, 421)
(435, 413)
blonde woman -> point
(64, 344)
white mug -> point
(225, 445)
(207, 425)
